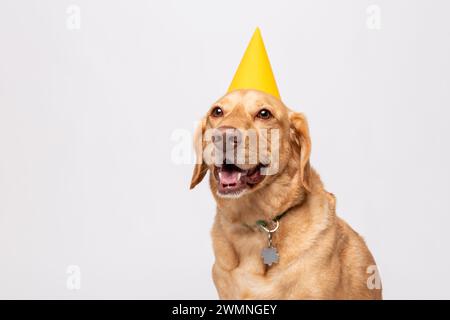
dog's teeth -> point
(220, 175)
(239, 176)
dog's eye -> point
(264, 114)
(217, 112)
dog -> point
(315, 254)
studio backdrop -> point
(98, 105)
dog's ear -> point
(200, 168)
(301, 138)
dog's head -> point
(246, 140)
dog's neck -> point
(284, 193)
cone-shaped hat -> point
(254, 71)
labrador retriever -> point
(276, 234)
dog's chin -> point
(234, 181)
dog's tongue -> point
(229, 177)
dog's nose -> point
(227, 138)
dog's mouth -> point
(232, 180)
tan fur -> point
(321, 257)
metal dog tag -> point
(269, 255)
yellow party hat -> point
(254, 71)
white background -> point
(86, 120)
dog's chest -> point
(251, 277)
(254, 280)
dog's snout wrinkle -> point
(227, 137)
